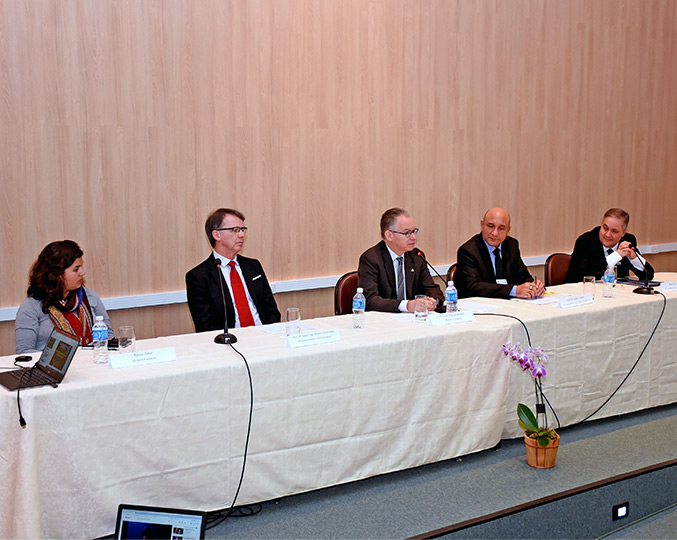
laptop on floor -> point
(50, 368)
(153, 522)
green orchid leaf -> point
(527, 420)
(544, 440)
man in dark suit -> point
(249, 300)
(490, 263)
(607, 245)
(390, 273)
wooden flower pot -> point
(541, 457)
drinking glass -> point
(421, 308)
(293, 321)
(589, 285)
(127, 339)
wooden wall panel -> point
(122, 124)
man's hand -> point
(530, 290)
(432, 304)
(625, 249)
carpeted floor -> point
(416, 501)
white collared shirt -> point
(513, 291)
(226, 270)
(613, 258)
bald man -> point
(490, 263)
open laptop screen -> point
(58, 353)
(151, 522)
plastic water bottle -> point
(100, 341)
(609, 280)
(451, 298)
(359, 303)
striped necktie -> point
(400, 279)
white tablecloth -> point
(394, 395)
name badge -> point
(143, 358)
(501, 281)
(313, 338)
(439, 319)
(574, 301)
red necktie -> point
(241, 303)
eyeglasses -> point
(236, 230)
(406, 233)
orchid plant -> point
(532, 360)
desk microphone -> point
(644, 289)
(420, 254)
(226, 338)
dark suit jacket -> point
(205, 300)
(475, 274)
(376, 276)
(588, 259)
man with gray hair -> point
(390, 273)
(607, 245)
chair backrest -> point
(556, 267)
(345, 289)
(451, 274)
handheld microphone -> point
(226, 338)
(644, 289)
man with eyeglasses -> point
(249, 299)
(490, 263)
(390, 273)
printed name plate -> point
(143, 358)
(574, 301)
(668, 286)
(438, 319)
(313, 338)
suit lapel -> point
(486, 259)
(248, 274)
(389, 269)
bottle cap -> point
(360, 290)
(99, 318)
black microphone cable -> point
(22, 358)
(538, 386)
(230, 510)
(660, 318)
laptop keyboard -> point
(31, 377)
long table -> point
(391, 396)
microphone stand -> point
(643, 289)
(226, 338)
(420, 254)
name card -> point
(668, 286)
(313, 338)
(439, 319)
(574, 301)
(143, 358)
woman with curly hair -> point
(57, 298)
